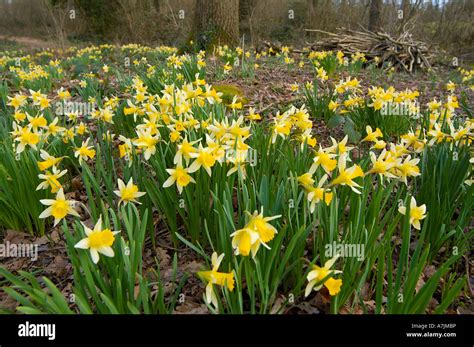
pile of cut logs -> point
(402, 52)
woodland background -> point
(446, 24)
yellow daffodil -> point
(333, 105)
(372, 136)
(48, 160)
(252, 116)
(235, 105)
(147, 142)
(52, 129)
(84, 152)
(213, 277)
(383, 164)
(51, 180)
(318, 274)
(347, 176)
(63, 94)
(244, 241)
(340, 147)
(204, 157)
(184, 151)
(316, 194)
(325, 159)
(128, 193)
(260, 223)
(26, 137)
(407, 168)
(417, 213)
(58, 207)
(17, 101)
(256, 232)
(379, 144)
(37, 122)
(180, 176)
(97, 241)
(437, 134)
(306, 180)
(450, 86)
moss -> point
(229, 91)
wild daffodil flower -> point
(48, 160)
(184, 151)
(127, 193)
(147, 142)
(51, 180)
(256, 232)
(407, 168)
(383, 164)
(333, 105)
(25, 137)
(17, 101)
(417, 213)
(372, 136)
(340, 147)
(260, 224)
(347, 176)
(317, 274)
(37, 122)
(204, 157)
(450, 86)
(84, 152)
(325, 159)
(52, 129)
(58, 207)
(180, 176)
(244, 241)
(98, 241)
(316, 194)
(213, 277)
(252, 116)
(306, 180)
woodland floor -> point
(267, 91)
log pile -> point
(402, 52)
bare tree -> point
(57, 14)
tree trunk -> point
(311, 5)
(216, 22)
(157, 6)
(374, 15)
